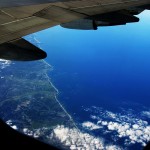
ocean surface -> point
(103, 78)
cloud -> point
(9, 122)
(69, 138)
(4, 63)
(36, 133)
(75, 139)
(146, 113)
(90, 126)
(112, 147)
(136, 133)
(14, 127)
(28, 132)
(126, 124)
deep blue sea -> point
(103, 75)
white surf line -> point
(49, 77)
(46, 63)
(71, 119)
(54, 87)
(57, 92)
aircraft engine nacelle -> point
(82, 24)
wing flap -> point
(59, 14)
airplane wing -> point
(19, 20)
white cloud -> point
(14, 127)
(9, 122)
(90, 125)
(126, 124)
(146, 113)
(4, 63)
(28, 132)
(135, 133)
(135, 126)
(34, 133)
(112, 147)
(74, 139)
(104, 123)
(110, 114)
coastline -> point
(57, 92)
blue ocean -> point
(103, 78)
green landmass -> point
(28, 98)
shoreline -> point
(57, 92)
